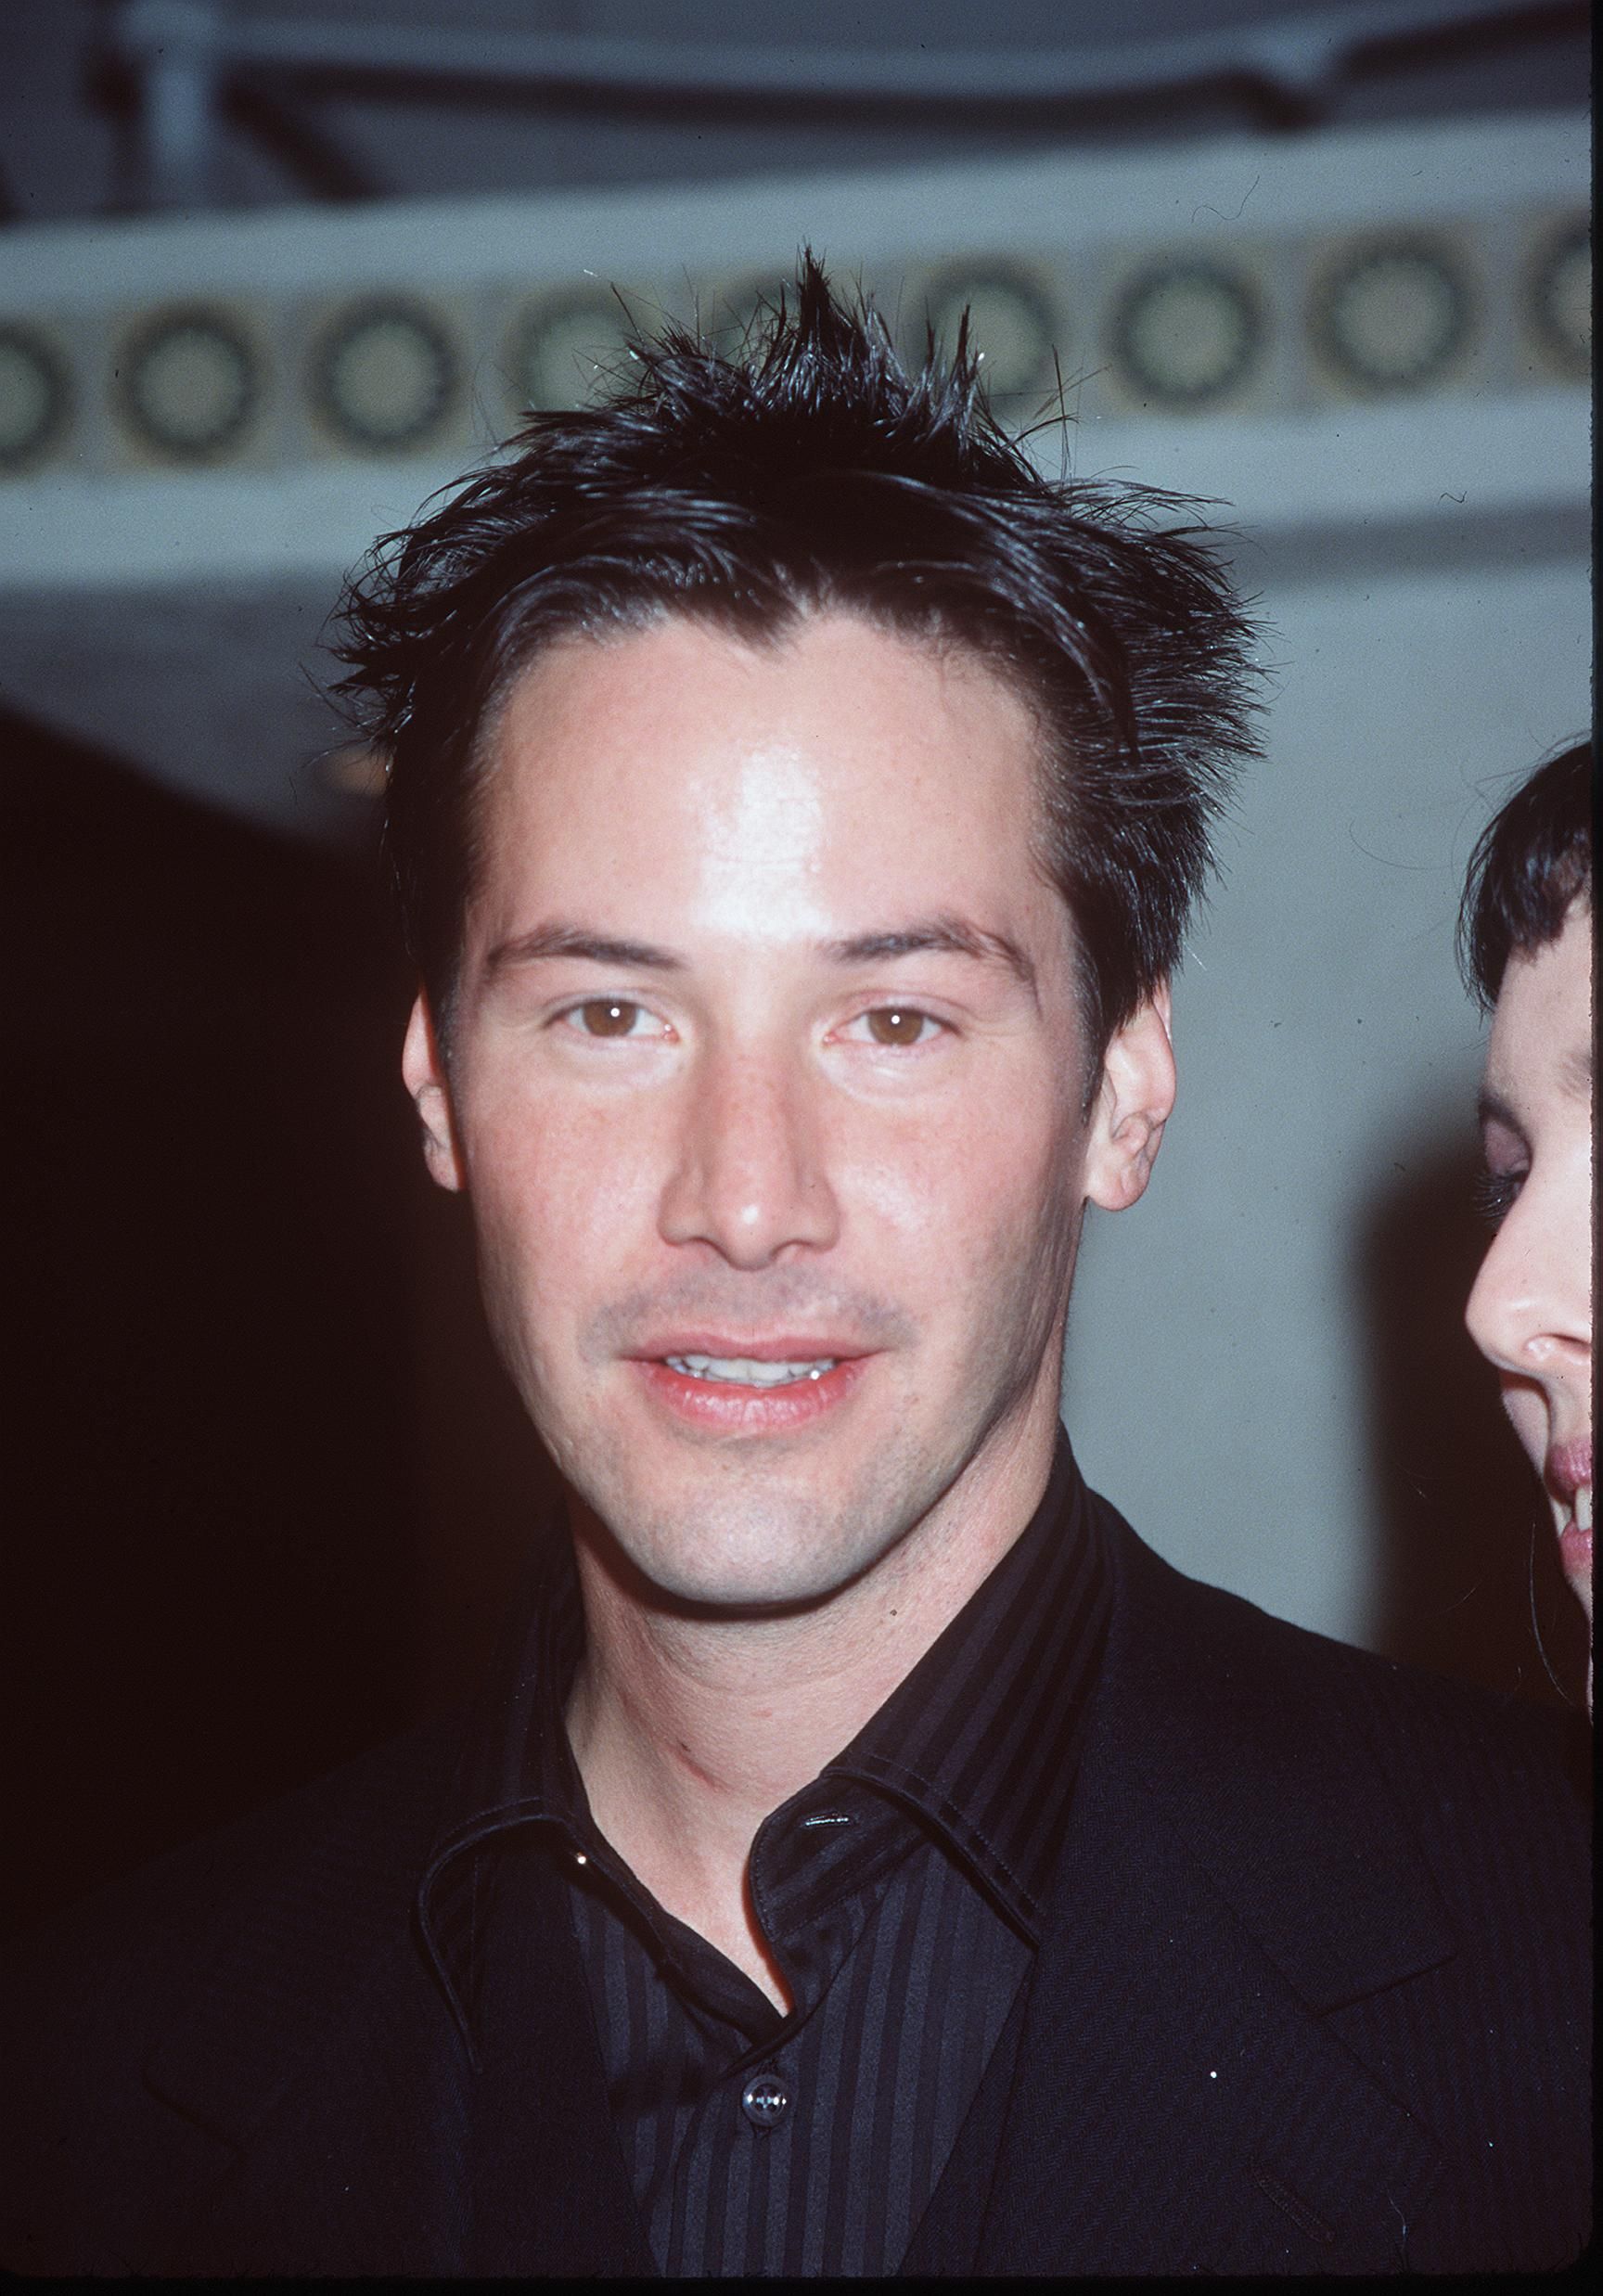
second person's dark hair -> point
(1530, 863)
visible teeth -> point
(746, 1370)
(1584, 1508)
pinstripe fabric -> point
(902, 1893)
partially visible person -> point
(1525, 941)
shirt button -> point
(764, 2100)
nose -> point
(1530, 1312)
(747, 1176)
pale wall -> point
(1216, 1374)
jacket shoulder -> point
(1233, 1657)
(297, 1902)
(378, 1809)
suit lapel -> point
(358, 2137)
(1178, 2107)
(1179, 2104)
(318, 2047)
(551, 2194)
(320, 1906)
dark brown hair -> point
(812, 471)
(1532, 861)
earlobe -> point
(423, 1069)
(1133, 1106)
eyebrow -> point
(943, 935)
(528, 948)
(952, 936)
(1492, 1108)
(1575, 1070)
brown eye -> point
(605, 1016)
(889, 1026)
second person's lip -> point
(1568, 1468)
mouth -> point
(1569, 1480)
(768, 1387)
(751, 1370)
(1575, 1535)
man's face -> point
(766, 1082)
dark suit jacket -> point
(1314, 1998)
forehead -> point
(1542, 1043)
(694, 777)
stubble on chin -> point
(741, 1530)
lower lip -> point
(1575, 1553)
(725, 1407)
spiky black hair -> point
(812, 471)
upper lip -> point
(785, 1347)
(1569, 1467)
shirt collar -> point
(982, 1738)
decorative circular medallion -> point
(33, 397)
(382, 376)
(1561, 298)
(186, 384)
(1011, 326)
(1392, 315)
(558, 350)
(1187, 333)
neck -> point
(689, 1729)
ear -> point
(1133, 1106)
(424, 1071)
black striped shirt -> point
(901, 1895)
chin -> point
(1578, 1575)
(741, 1535)
(782, 1559)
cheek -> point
(1527, 1409)
(556, 1192)
(971, 1190)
